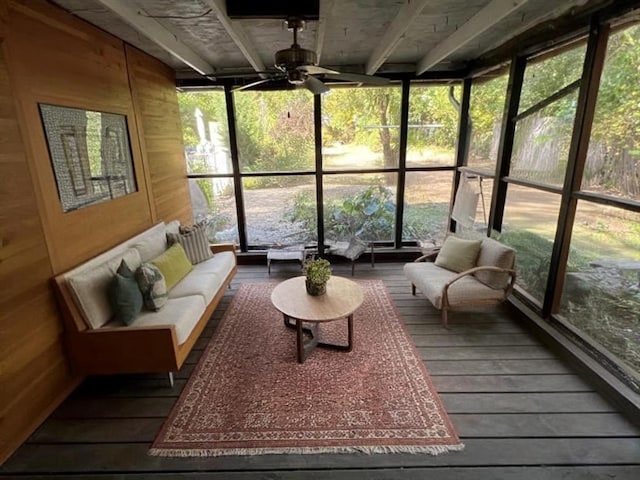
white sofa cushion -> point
(430, 280)
(183, 313)
(89, 286)
(152, 243)
(205, 278)
(494, 253)
(220, 265)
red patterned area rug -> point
(248, 395)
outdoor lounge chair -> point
(464, 273)
(352, 250)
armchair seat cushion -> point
(430, 279)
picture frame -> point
(90, 155)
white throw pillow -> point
(458, 254)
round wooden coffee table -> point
(342, 298)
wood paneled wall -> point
(58, 59)
(33, 369)
(156, 103)
(49, 56)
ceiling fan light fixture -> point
(297, 77)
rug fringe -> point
(215, 452)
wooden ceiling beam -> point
(159, 34)
(326, 7)
(482, 21)
(394, 34)
(237, 34)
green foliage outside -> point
(368, 215)
(616, 126)
(486, 109)
(425, 221)
(369, 116)
(533, 253)
(275, 133)
(432, 105)
(604, 305)
(545, 77)
(213, 108)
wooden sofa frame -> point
(129, 349)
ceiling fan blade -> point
(356, 77)
(315, 86)
(316, 70)
(238, 74)
(252, 84)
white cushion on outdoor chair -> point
(431, 279)
(351, 250)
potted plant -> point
(318, 272)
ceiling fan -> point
(298, 66)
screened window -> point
(426, 206)
(549, 73)
(529, 226)
(433, 124)
(546, 116)
(275, 131)
(613, 161)
(205, 132)
(213, 202)
(486, 109)
(360, 128)
(280, 209)
(360, 206)
(600, 295)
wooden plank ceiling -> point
(202, 38)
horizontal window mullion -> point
(448, 168)
(367, 170)
(277, 174)
(477, 171)
(210, 175)
(622, 203)
(538, 186)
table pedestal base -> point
(305, 348)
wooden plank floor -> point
(521, 412)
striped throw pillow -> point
(194, 241)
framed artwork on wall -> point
(90, 155)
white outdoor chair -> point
(485, 277)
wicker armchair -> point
(488, 282)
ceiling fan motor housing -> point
(294, 57)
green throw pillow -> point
(173, 264)
(124, 295)
(458, 254)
